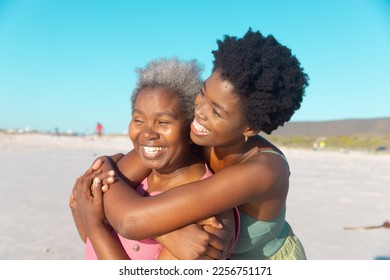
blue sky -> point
(70, 63)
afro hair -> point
(265, 75)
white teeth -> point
(200, 127)
(152, 150)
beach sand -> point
(328, 191)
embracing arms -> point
(138, 217)
(92, 221)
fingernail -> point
(96, 164)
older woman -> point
(162, 110)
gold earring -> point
(245, 138)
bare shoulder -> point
(270, 160)
(252, 179)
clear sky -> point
(70, 63)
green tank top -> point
(260, 239)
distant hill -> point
(380, 126)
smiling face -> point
(219, 120)
(158, 130)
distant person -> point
(163, 108)
(99, 129)
(57, 131)
(256, 85)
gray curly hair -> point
(181, 77)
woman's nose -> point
(201, 111)
(150, 133)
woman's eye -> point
(163, 123)
(216, 113)
(138, 121)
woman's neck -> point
(191, 169)
(221, 157)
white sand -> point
(329, 190)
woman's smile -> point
(152, 152)
(199, 129)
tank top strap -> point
(269, 150)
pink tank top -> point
(146, 249)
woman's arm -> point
(131, 168)
(92, 217)
(166, 255)
(208, 239)
(226, 233)
(77, 218)
(206, 247)
(190, 242)
(106, 247)
(137, 217)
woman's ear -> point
(251, 132)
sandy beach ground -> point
(329, 191)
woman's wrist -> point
(93, 227)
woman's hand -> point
(192, 242)
(77, 218)
(106, 164)
(87, 197)
(76, 213)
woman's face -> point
(158, 130)
(218, 119)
